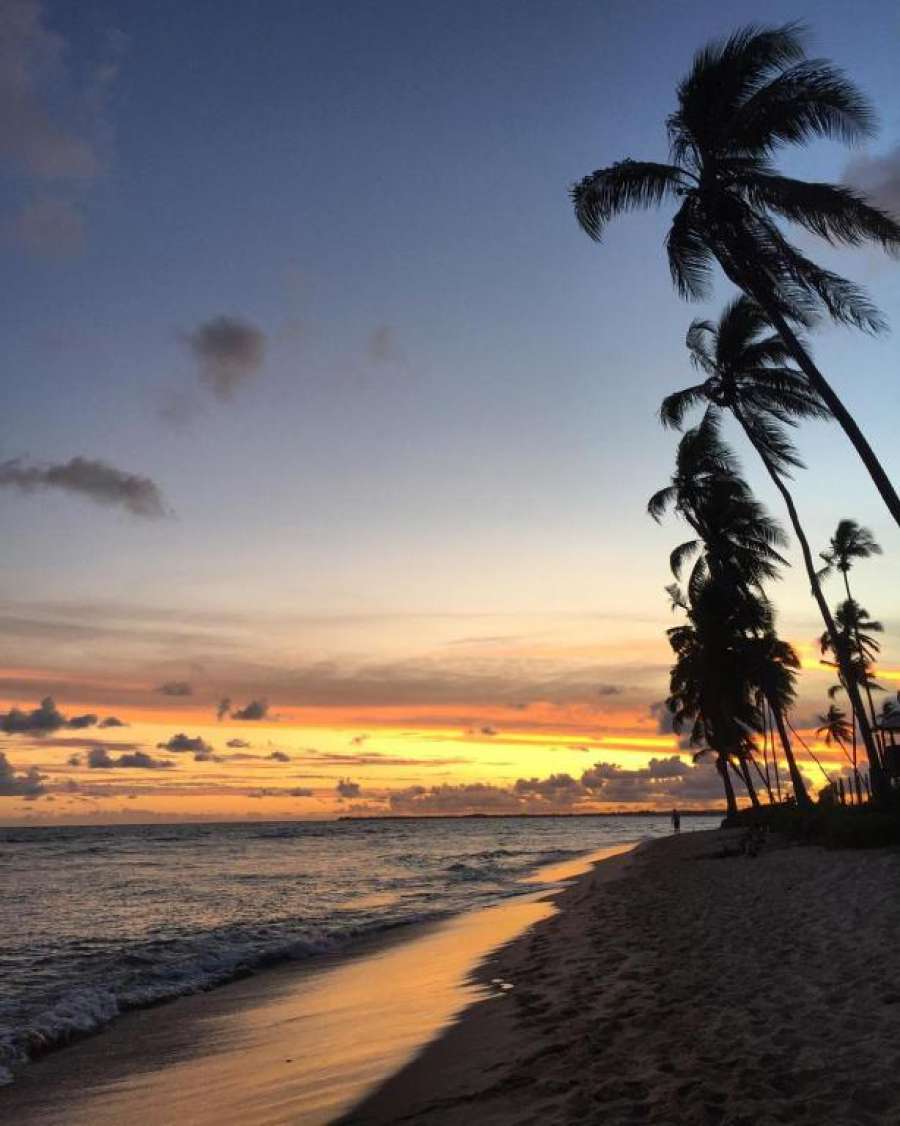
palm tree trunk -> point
(878, 779)
(824, 389)
(748, 781)
(879, 739)
(800, 791)
(730, 799)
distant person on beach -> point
(676, 821)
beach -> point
(298, 1043)
(677, 986)
(670, 984)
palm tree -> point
(747, 371)
(836, 730)
(743, 99)
(773, 665)
(729, 637)
(701, 684)
(856, 628)
(849, 543)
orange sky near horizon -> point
(315, 762)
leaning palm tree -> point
(700, 687)
(744, 99)
(855, 631)
(836, 730)
(730, 619)
(850, 542)
(772, 664)
(747, 371)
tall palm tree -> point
(855, 628)
(747, 371)
(730, 620)
(850, 542)
(744, 99)
(773, 665)
(702, 683)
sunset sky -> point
(381, 420)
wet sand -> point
(290, 1045)
(695, 990)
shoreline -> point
(696, 989)
(281, 1024)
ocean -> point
(97, 920)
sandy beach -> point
(665, 985)
(678, 987)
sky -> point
(317, 402)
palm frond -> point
(689, 253)
(624, 186)
(661, 501)
(675, 406)
(831, 211)
(812, 98)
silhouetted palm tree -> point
(856, 628)
(700, 687)
(850, 543)
(744, 99)
(772, 664)
(836, 729)
(729, 640)
(747, 372)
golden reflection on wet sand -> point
(285, 1046)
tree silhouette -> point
(743, 100)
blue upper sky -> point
(456, 407)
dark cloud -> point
(78, 721)
(186, 743)
(228, 351)
(42, 720)
(256, 709)
(175, 688)
(560, 789)
(878, 177)
(94, 479)
(668, 781)
(279, 756)
(471, 797)
(300, 792)
(24, 784)
(100, 759)
(112, 721)
(224, 707)
(74, 760)
(52, 124)
(347, 789)
(608, 690)
(237, 743)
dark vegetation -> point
(733, 683)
